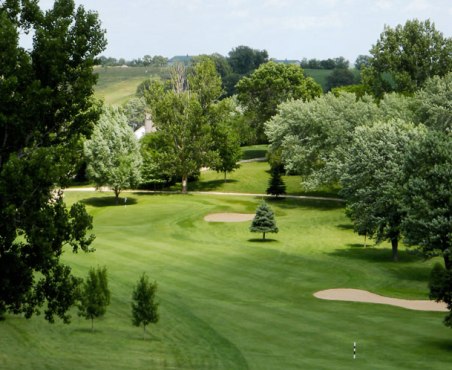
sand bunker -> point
(229, 217)
(356, 295)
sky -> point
(287, 29)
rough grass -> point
(116, 85)
(228, 301)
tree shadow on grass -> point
(412, 273)
(260, 240)
(99, 202)
(345, 226)
(315, 204)
(209, 185)
(374, 254)
(441, 344)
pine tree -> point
(276, 184)
(264, 221)
(94, 295)
(144, 307)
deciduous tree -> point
(270, 85)
(181, 118)
(406, 56)
(144, 305)
(94, 295)
(113, 154)
(372, 179)
(427, 196)
(46, 110)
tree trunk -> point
(447, 262)
(224, 176)
(144, 332)
(184, 184)
(395, 252)
(117, 191)
(92, 324)
(263, 236)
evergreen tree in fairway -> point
(144, 307)
(276, 184)
(264, 221)
(94, 295)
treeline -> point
(330, 63)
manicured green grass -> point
(229, 301)
(252, 178)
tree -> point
(312, 136)
(144, 306)
(270, 85)
(135, 111)
(339, 77)
(225, 136)
(245, 60)
(181, 119)
(94, 295)
(276, 184)
(433, 104)
(440, 285)
(264, 221)
(46, 110)
(406, 56)
(372, 178)
(427, 196)
(112, 154)
(362, 61)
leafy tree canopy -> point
(113, 154)
(270, 85)
(406, 56)
(46, 109)
(372, 178)
(427, 196)
(144, 305)
(94, 295)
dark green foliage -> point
(264, 220)
(427, 196)
(46, 110)
(276, 184)
(372, 178)
(245, 60)
(144, 306)
(433, 104)
(181, 116)
(94, 295)
(406, 56)
(340, 77)
(270, 85)
(440, 285)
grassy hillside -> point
(118, 84)
(319, 75)
(229, 301)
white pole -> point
(354, 350)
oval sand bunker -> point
(229, 217)
(357, 295)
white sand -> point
(229, 217)
(356, 295)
